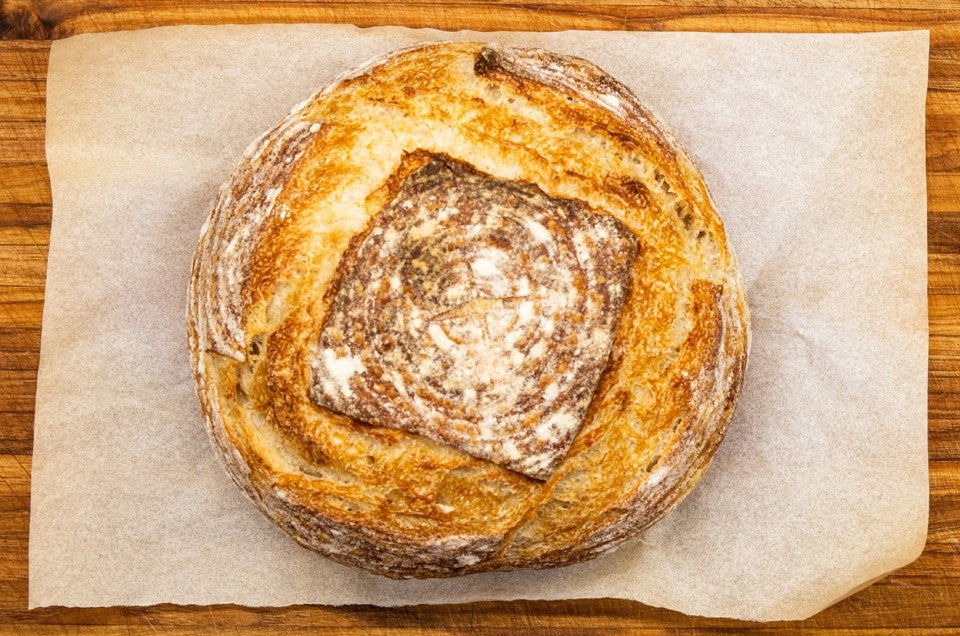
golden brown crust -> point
(400, 503)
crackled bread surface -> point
(467, 308)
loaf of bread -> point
(467, 308)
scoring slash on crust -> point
(468, 308)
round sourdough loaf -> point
(467, 308)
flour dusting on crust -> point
(477, 312)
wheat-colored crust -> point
(398, 503)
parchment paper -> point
(813, 146)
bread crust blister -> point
(378, 250)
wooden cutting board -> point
(923, 598)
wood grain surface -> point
(923, 598)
